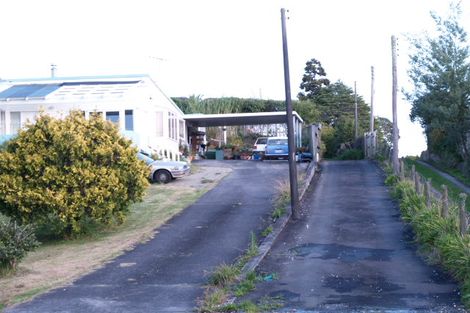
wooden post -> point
(417, 185)
(445, 202)
(356, 134)
(394, 107)
(294, 191)
(463, 214)
(413, 171)
(371, 99)
(402, 170)
(428, 193)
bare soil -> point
(59, 263)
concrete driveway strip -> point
(350, 252)
(166, 274)
(450, 178)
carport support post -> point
(294, 192)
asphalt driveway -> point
(166, 274)
(350, 252)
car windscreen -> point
(277, 141)
(261, 141)
(148, 160)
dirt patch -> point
(57, 264)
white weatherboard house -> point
(134, 102)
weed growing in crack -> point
(278, 212)
(267, 231)
(213, 300)
(253, 249)
(224, 275)
(246, 285)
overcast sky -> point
(220, 48)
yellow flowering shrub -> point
(73, 169)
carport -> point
(194, 121)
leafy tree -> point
(313, 80)
(328, 148)
(336, 105)
(72, 170)
(307, 110)
(343, 133)
(440, 98)
(337, 100)
(384, 129)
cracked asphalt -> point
(350, 252)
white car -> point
(163, 171)
(260, 145)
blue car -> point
(276, 148)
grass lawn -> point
(454, 172)
(58, 263)
(437, 181)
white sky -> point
(220, 48)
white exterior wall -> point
(145, 100)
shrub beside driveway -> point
(58, 263)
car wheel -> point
(162, 176)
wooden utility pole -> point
(371, 99)
(395, 164)
(294, 192)
(355, 113)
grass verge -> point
(57, 263)
(438, 236)
(453, 172)
(437, 180)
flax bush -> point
(438, 234)
(72, 170)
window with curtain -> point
(172, 126)
(15, 122)
(2, 123)
(181, 129)
(159, 124)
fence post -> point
(413, 171)
(463, 214)
(445, 202)
(417, 184)
(428, 193)
(402, 170)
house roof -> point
(69, 87)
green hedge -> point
(351, 154)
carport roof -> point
(208, 120)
